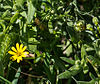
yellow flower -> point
(18, 52)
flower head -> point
(18, 52)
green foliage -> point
(72, 71)
(17, 75)
(62, 38)
(31, 11)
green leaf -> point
(91, 75)
(65, 75)
(24, 14)
(5, 80)
(83, 61)
(70, 72)
(85, 68)
(94, 61)
(68, 60)
(59, 62)
(31, 11)
(1, 69)
(96, 81)
(69, 49)
(33, 48)
(83, 52)
(5, 13)
(20, 2)
(49, 72)
(4, 46)
(7, 40)
(14, 17)
(15, 81)
(3, 25)
(73, 35)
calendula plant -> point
(49, 42)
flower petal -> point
(18, 52)
(14, 49)
(25, 53)
(17, 46)
(21, 46)
(13, 58)
(24, 49)
(19, 59)
(11, 52)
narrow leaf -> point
(83, 52)
(96, 81)
(68, 60)
(15, 81)
(20, 2)
(73, 35)
(31, 11)
(14, 17)
(5, 80)
(71, 72)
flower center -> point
(19, 53)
